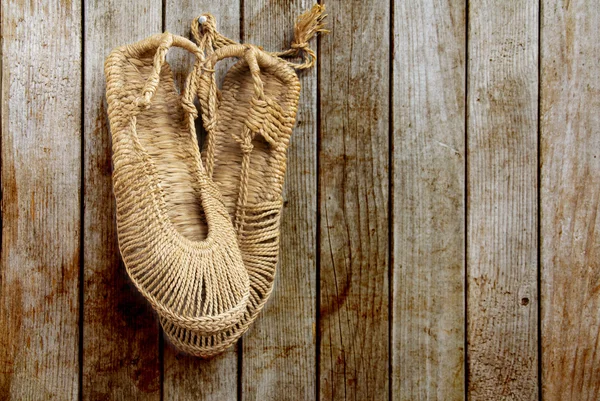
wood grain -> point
(570, 199)
(186, 377)
(190, 378)
(442, 246)
(502, 200)
(428, 200)
(353, 204)
(279, 360)
(41, 195)
(120, 338)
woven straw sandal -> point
(248, 125)
(176, 238)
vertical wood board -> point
(353, 202)
(570, 200)
(502, 204)
(279, 357)
(428, 200)
(41, 195)
(120, 330)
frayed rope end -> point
(308, 25)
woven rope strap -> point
(253, 115)
(200, 285)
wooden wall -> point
(441, 234)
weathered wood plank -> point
(502, 200)
(279, 359)
(120, 338)
(190, 378)
(428, 195)
(187, 377)
(353, 204)
(41, 182)
(570, 198)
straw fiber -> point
(201, 240)
(165, 201)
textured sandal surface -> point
(248, 125)
(257, 212)
(176, 238)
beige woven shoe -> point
(248, 125)
(175, 235)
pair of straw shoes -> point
(199, 231)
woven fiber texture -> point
(200, 240)
(175, 234)
(248, 123)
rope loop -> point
(309, 24)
